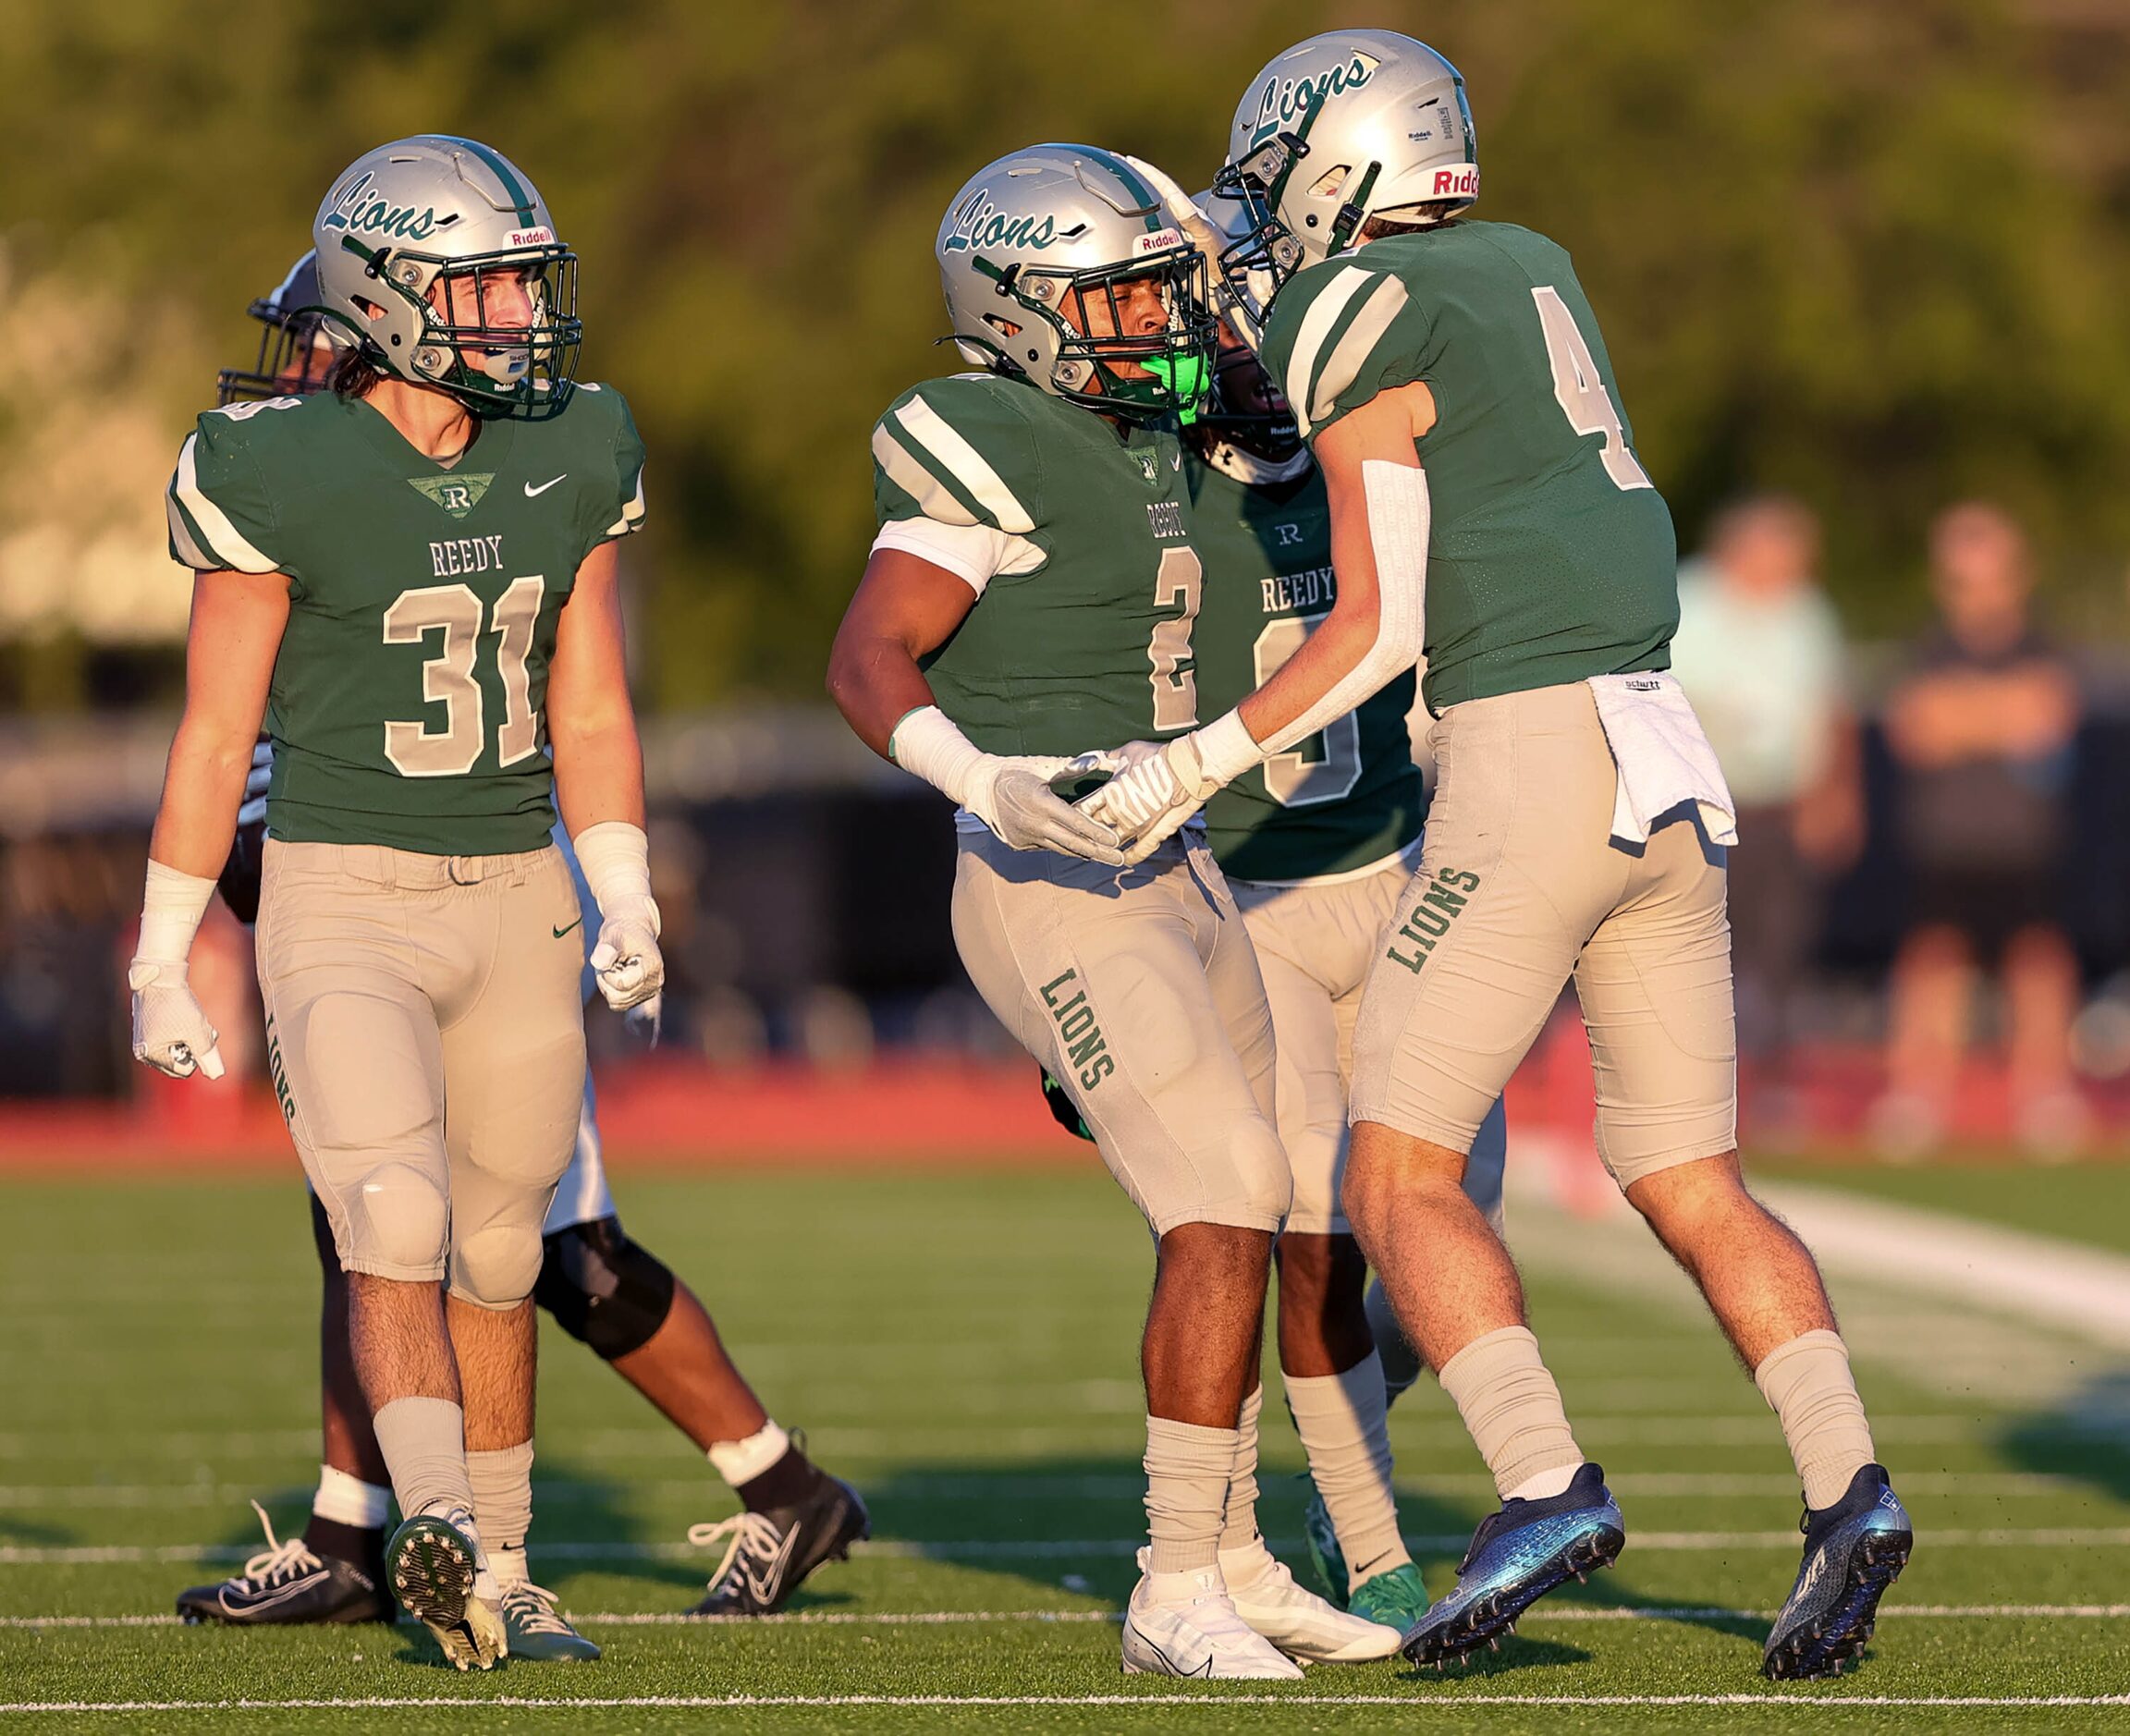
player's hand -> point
(1162, 786)
(626, 963)
(1018, 804)
(170, 1031)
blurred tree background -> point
(1875, 253)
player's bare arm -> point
(235, 632)
(590, 721)
(905, 607)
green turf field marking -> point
(1091, 1548)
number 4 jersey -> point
(1550, 557)
(408, 704)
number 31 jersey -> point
(408, 706)
(1550, 556)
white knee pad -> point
(398, 1218)
(497, 1267)
(1265, 1182)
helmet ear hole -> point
(1005, 328)
(1328, 183)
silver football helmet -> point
(1347, 126)
(1244, 411)
(1060, 263)
(439, 259)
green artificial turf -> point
(962, 1347)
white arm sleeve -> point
(975, 554)
(1398, 519)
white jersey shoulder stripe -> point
(223, 542)
(1323, 315)
(931, 494)
(965, 464)
(631, 511)
(183, 541)
(1383, 305)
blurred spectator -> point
(1981, 731)
(1760, 651)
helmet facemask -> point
(499, 331)
(294, 356)
(1244, 409)
(1105, 360)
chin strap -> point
(1252, 471)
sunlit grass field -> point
(962, 1347)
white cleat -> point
(1298, 1622)
(436, 1568)
(1181, 1624)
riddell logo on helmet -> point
(532, 238)
(355, 210)
(1286, 100)
(982, 224)
(1158, 242)
(1461, 182)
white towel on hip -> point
(1663, 758)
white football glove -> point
(1011, 794)
(626, 963)
(254, 809)
(170, 1031)
(1164, 784)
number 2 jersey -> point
(1551, 558)
(1345, 799)
(408, 706)
(1088, 586)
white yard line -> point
(1097, 1617)
(1081, 1549)
(1419, 1700)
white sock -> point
(741, 1462)
(509, 1566)
(1553, 1482)
(1512, 1409)
(1343, 1420)
(502, 1483)
(1188, 1468)
(1808, 1383)
(424, 1441)
(346, 1499)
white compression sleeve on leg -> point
(1398, 525)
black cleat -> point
(287, 1584)
(1518, 1553)
(1853, 1550)
(771, 1553)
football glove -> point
(1163, 784)
(627, 963)
(170, 1031)
(1013, 795)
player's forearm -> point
(202, 785)
(599, 776)
(875, 683)
(1333, 650)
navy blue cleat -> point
(1852, 1551)
(1518, 1555)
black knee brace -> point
(601, 1289)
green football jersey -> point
(1551, 558)
(1344, 798)
(408, 706)
(1092, 648)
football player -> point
(1316, 846)
(412, 577)
(602, 1288)
(1033, 588)
(1450, 379)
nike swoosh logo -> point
(560, 932)
(531, 491)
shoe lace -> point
(279, 1560)
(534, 1607)
(756, 1534)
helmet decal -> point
(1285, 101)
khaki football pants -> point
(1314, 943)
(1137, 989)
(1521, 888)
(426, 1039)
